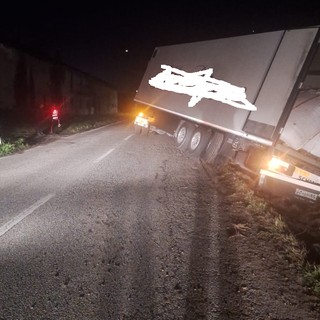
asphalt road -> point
(107, 224)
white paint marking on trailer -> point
(200, 85)
(10, 224)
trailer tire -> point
(212, 150)
(144, 131)
(184, 135)
(199, 141)
(137, 129)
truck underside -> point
(299, 177)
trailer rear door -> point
(281, 82)
(242, 61)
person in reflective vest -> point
(55, 118)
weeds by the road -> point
(312, 277)
(241, 188)
(80, 124)
(18, 137)
(15, 145)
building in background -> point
(30, 83)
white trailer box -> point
(248, 96)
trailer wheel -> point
(137, 129)
(199, 141)
(213, 147)
(184, 135)
(144, 131)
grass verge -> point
(18, 137)
(312, 277)
(12, 145)
(238, 187)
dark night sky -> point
(94, 37)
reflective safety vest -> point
(55, 114)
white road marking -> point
(128, 137)
(10, 224)
(103, 156)
(111, 150)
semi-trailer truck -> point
(252, 99)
